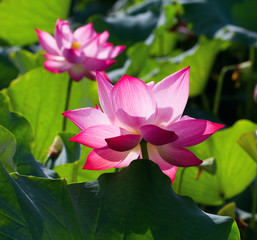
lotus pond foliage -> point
(128, 119)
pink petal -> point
(104, 74)
(77, 72)
(171, 95)
(103, 37)
(94, 136)
(63, 34)
(74, 56)
(117, 50)
(156, 135)
(104, 158)
(166, 168)
(92, 47)
(193, 131)
(151, 84)
(48, 43)
(124, 142)
(54, 57)
(104, 89)
(133, 155)
(84, 34)
(57, 66)
(105, 51)
(178, 156)
(87, 117)
(133, 103)
(97, 64)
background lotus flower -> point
(135, 112)
(80, 53)
(255, 94)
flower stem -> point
(143, 145)
(251, 82)
(180, 180)
(64, 123)
(218, 92)
(75, 172)
(254, 206)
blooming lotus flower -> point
(81, 53)
(134, 112)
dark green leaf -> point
(36, 208)
(138, 203)
(136, 24)
(231, 19)
(8, 70)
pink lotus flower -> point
(134, 111)
(81, 53)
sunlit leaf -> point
(25, 60)
(40, 96)
(228, 210)
(22, 131)
(248, 141)
(18, 19)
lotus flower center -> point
(75, 45)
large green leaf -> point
(18, 19)
(230, 19)
(22, 131)
(36, 208)
(138, 203)
(7, 148)
(235, 169)
(40, 96)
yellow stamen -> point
(75, 45)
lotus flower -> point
(134, 112)
(255, 94)
(81, 53)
